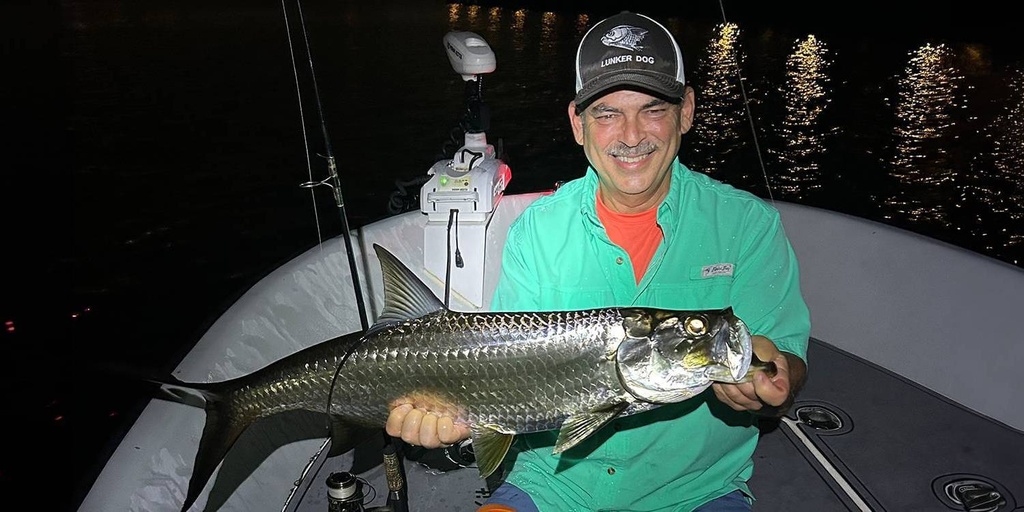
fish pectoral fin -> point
(582, 425)
(490, 445)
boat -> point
(911, 402)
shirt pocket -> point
(695, 291)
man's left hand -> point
(765, 395)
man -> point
(640, 229)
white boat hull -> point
(916, 312)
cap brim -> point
(655, 84)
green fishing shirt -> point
(721, 247)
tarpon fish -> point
(624, 36)
(501, 374)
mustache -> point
(623, 149)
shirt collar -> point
(667, 210)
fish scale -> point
(526, 386)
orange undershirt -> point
(637, 233)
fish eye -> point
(696, 325)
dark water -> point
(181, 126)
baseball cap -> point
(628, 51)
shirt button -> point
(611, 471)
(618, 261)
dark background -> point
(72, 301)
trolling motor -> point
(463, 191)
(470, 57)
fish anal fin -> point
(582, 425)
(345, 436)
(490, 445)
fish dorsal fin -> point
(582, 425)
(490, 445)
(405, 296)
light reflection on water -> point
(721, 116)
(806, 95)
(940, 150)
(1008, 162)
(926, 110)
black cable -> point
(452, 214)
(458, 254)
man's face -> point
(631, 139)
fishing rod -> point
(397, 501)
(790, 424)
(333, 181)
(750, 116)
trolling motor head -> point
(468, 54)
(470, 57)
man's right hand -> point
(422, 428)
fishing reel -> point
(344, 493)
(457, 456)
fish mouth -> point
(732, 351)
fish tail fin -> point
(223, 426)
(189, 393)
(220, 432)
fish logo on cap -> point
(626, 37)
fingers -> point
(446, 432)
(764, 348)
(740, 397)
(450, 432)
(411, 427)
(752, 396)
(421, 428)
(781, 386)
(395, 420)
(773, 390)
(770, 390)
(428, 431)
